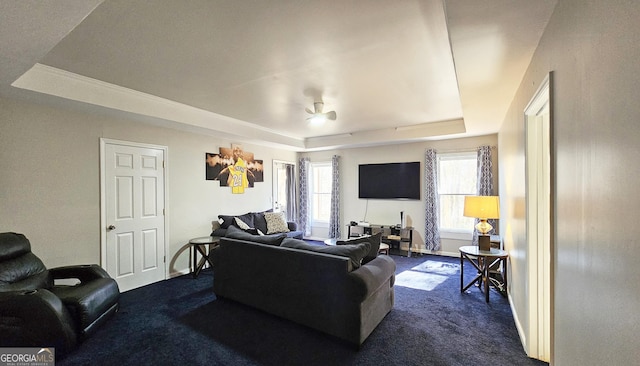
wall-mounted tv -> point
(389, 181)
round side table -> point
(199, 245)
(483, 260)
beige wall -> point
(592, 48)
(387, 212)
(51, 191)
(49, 159)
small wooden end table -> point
(483, 260)
(199, 246)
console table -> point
(391, 235)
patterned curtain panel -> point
(291, 192)
(303, 203)
(334, 220)
(432, 232)
(485, 182)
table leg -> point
(205, 258)
(478, 277)
(195, 261)
(485, 270)
(461, 273)
(504, 274)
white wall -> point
(387, 212)
(592, 48)
(49, 159)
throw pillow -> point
(225, 221)
(236, 233)
(253, 231)
(374, 242)
(276, 222)
(355, 252)
(259, 222)
(246, 218)
(241, 224)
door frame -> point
(540, 259)
(274, 178)
(103, 207)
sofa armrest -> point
(368, 278)
(292, 226)
(215, 224)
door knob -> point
(111, 227)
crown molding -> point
(60, 83)
(63, 84)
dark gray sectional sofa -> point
(324, 288)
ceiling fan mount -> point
(318, 116)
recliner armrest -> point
(292, 226)
(92, 301)
(84, 273)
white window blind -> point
(457, 177)
(320, 192)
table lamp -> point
(483, 208)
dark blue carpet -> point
(179, 321)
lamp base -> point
(484, 242)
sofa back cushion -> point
(373, 240)
(355, 252)
(236, 233)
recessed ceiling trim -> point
(388, 135)
(53, 81)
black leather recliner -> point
(36, 312)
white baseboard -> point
(179, 273)
(521, 332)
(435, 252)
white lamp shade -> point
(482, 207)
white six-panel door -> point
(133, 250)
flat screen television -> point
(389, 181)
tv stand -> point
(391, 235)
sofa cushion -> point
(276, 222)
(236, 233)
(373, 240)
(219, 232)
(355, 252)
(259, 222)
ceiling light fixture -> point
(317, 116)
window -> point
(457, 177)
(320, 193)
